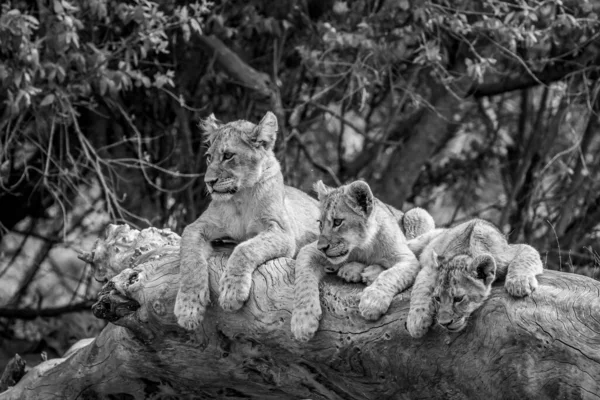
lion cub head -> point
(344, 223)
(240, 155)
(463, 284)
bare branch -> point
(32, 313)
(237, 68)
(520, 80)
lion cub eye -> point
(208, 158)
(458, 299)
(437, 298)
(227, 155)
(337, 222)
(320, 224)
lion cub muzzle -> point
(335, 252)
(221, 186)
(451, 323)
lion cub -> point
(361, 239)
(251, 205)
(459, 266)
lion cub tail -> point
(416, 222)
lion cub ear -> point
(436, 259)
(483, 268)
(209, 126)
(265, 132)
(321, 189)
(361, 197)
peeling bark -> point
(544, 346)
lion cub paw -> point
(351, 272)
(373, 303)
(418, 322)
(371, 273)
(190, 306)
(234, 291)
(520, 285)
(305, 322)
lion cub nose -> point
(322, 246)
(446, 324)
(210, 182)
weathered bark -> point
(14, 371)
(544, 346)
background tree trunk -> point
(544, 346)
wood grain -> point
(546, 346)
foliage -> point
(56, 65)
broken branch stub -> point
(122, 247)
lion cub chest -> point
(241, 222)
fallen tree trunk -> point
(545, 346)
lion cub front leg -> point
(193, 295)
(420, 315)
(376, 298)
(236, 281)
(310, 269)
(351, 272)
(371, 273)
(522, 270)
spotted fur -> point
(360, 239)
(251, 205)
(459, 266)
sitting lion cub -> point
(456, 282)
(359, 230)
(251, 205)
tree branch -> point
(236, 68)
(32, 313)
(427, 135)
(521, 80)
(251, 353)
(247, 76)
(400, 130)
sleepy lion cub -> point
(459, 266)
(362, 240)
(251, 205)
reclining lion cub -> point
(251, 205)
(363, 234)
(456, 282)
